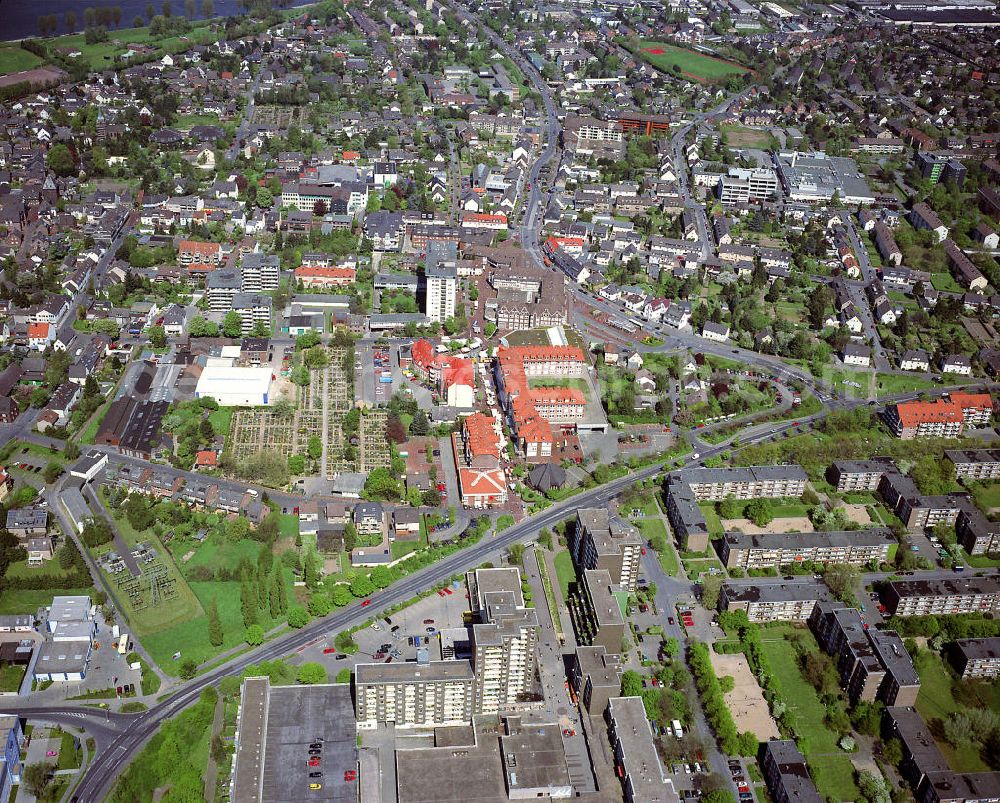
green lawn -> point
(288, 525)
(222, 420)
(101, 54)
(987, 496)
(788, 510)
(711, 518)
(694, 65)
(892, 383)
(11, 676)
(30, 600)
(937, 700)
(17, 59)
(191, 636)
(832, 768)
(652, 529)
(565, 572)
(946, 282)
(186, 122)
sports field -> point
(694, 65)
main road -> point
(133, 731)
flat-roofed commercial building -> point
(976, 657)
(856, 547)
(786, 773)
(491, 761)
(414, 695)
(603, 541)
(636, 756)
(816, 177)
(275, 727)
(942, 597)
(773, 601)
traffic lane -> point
(101, 773)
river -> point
(19, 18)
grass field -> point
(711, 518)
(191, 636)
(652, 529)
(937, 700)
(893, 383)
(29, 601)
(987, 496)
(101, 54)
(170, 612)
(832, 768)
(664, 56)
(565, 572)
(222, 420)
(945, 282)
(16, 59)
(740, 137)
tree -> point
(52, 472)
(157, 337)
(248, 601)
(315, 447)
(189, 9)
(515, 554)
(419, 425)
(188, 669)
(731, 508)
(382, 577)
(167, 9)
(841, 579)
(381, 484)
(298, 617)
(60, 160)
(232, 324)
(632, 684)
(361, 586)
(296, 464)
(264, 198)
(199, 327)
(37, 778)
(759, 512)
(254, 635)
(70, 19)
(710, 588)
(341, 596)
(276, 594)
(207, 9)
(545, 538)
(215, 635)
(319, 604)
(311, 673)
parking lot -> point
(424, 619)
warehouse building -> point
(234, 386)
